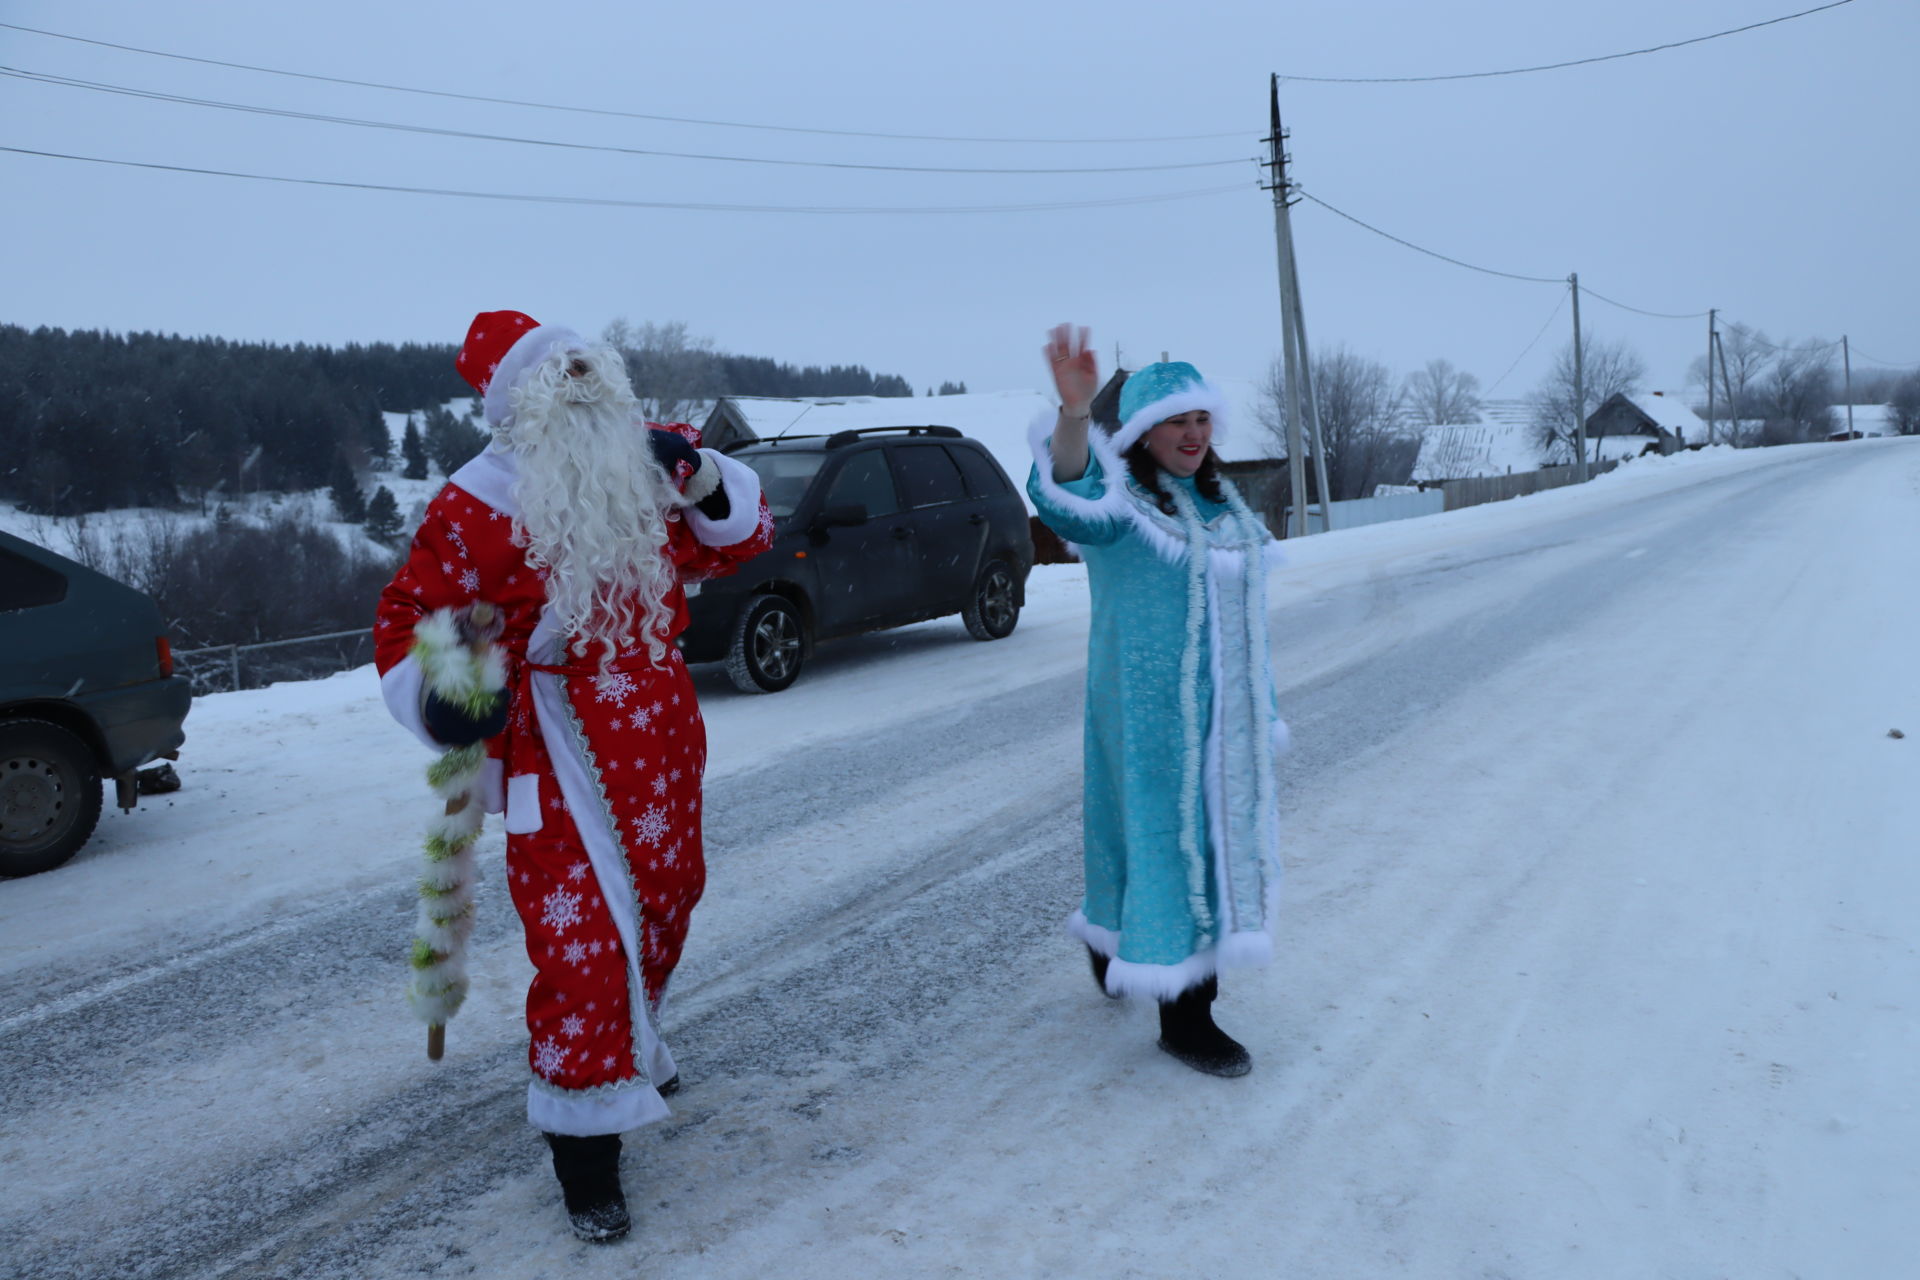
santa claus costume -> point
(579, 524)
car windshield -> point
(784, 475)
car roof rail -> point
(852, 436)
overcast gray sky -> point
(1770, 174)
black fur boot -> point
(1099, 965)
(589, 1173)
(1187, 1032)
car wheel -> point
(993, 609)
(769, 644)
(49, 796)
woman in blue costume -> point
(1181, 827)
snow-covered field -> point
(1598, 955)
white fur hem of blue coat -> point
(1245, 950)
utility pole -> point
(1579, 388)
(1846, 361)
(1318, 445)
(1295, 360)
(1711, 336)
(1726, 383)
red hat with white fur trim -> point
(500, 347)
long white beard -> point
(592, 504)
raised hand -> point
(1076, 372)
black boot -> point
(1187, 1032)
(589, 1172)
(1099, 963)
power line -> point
(1509, 275)
(1109, 202)
(1551, 317)
(1641, 311)
(1888, 363)
(602, 111)
(435, 131)
(1575, 62)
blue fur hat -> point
(1165, 390)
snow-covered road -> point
(1598, 956)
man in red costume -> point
(579, 523)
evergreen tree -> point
(953, 388)
(413, 453)
(383, 516)
(345, 491)
(451, 441)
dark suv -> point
(874, 528)
(87, 691)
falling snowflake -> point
(562, 911)
(651, 826)
(578, 871)
(548, 1057)
(572, 1025)
(576, 952)
(615, 687)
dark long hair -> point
(1146, 473)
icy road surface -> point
(1597, 957)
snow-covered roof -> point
(1671, 413)
(1868, 419)
(1501, 441)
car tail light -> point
(166, 656)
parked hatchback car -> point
(874, 528)
(87, 692)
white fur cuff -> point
(701, 484)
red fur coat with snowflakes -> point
(599, 775)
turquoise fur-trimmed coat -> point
(1181, 824)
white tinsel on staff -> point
(464, 668)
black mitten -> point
(671, 448)
(450, 726)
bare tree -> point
(1608, 369)
(674, 373)
(1904, 404)
(1442, 394)
(1745, 353)
(1359, 411)
(1797, 393)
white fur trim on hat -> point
(534, 346)
(1205, 396)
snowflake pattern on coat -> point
(635, 725)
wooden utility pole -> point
(1726, 384)
(1709, 371)
(1579, 388)
(1296, 362)
(1846, 362)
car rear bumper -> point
(139, 723)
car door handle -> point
(976, 518)
(901, 531)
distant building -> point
(1661, 422)
(1870, 421)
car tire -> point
(993, 610)
(49, 795)
(769, 645)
